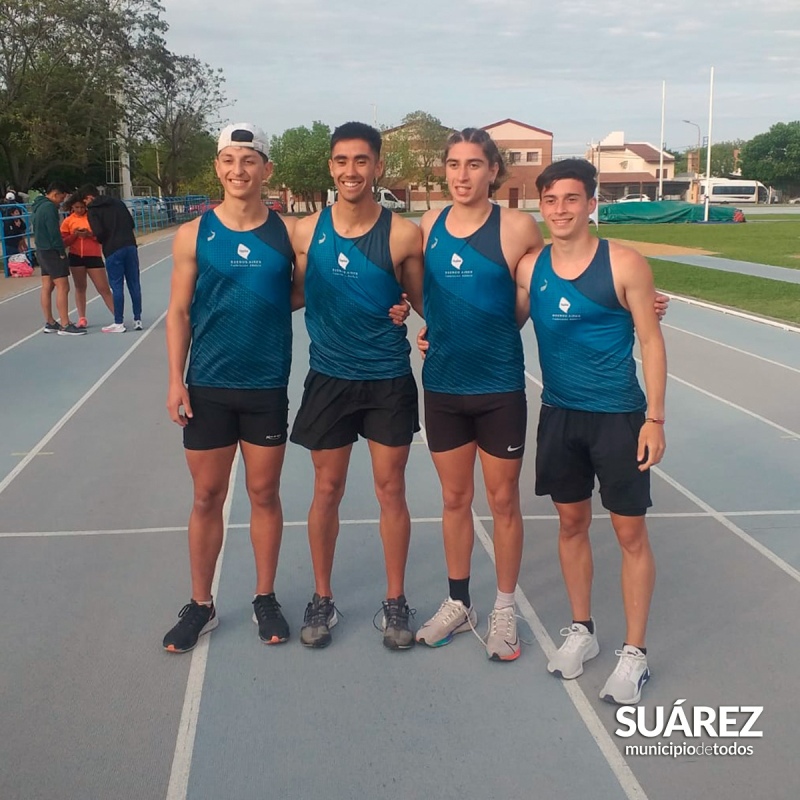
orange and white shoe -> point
(502, 641)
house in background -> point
(633, 168)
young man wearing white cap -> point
(231, 301)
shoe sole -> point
(274, 639)
(320, 644)
(72, 333)
(49, 330)
(207, 628)
(395, 646)
(609, 698)
(513, 657)
(462, 628)
(559, 674)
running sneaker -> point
(452, 617)
(397, 635)
(624, 685)
(502, 642)
(51, 327)
(193, 621)
(272, 626)
(319, 618)
(114, 327)
(82, 323)
(579, 646)
(137, 325)
(71, 330)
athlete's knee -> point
(208, 500)
(457, 498)
(390, 491)
(264, 495)
(504, 500)
(328, 491)
(632, 534)
(574, 524)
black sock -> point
(589, 623)
(459, 590)
(643, 650)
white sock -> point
(504, 600)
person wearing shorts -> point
(474, 381)
(354, 260)
(85, 258)
(52, 257)
(231, 302)
(587, 298)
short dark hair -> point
(487, 144)
(86, 190)
(578, 169)
(57, 186)
(358, 130)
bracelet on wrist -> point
(655, 421)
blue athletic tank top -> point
(241, 312)
(350, 286)
(585, 338)
(475, 346)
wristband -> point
(654, 420)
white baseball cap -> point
(243, 134)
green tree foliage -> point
(428, 137)
(300, 156)
(399, 159)
(60, 64)
(725, 158)
(774, 157)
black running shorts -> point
(222, 417)
(497, 422)
(335, 411)
(53, 263)
(89, 262)
(574, 446)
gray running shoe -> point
(452, 617)
(397, 635)
(71, 330)
(624, 685)
(319, 618)
(51, 327)
(502, 642)
(579, 646)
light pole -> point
(689, 122)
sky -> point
(578, 68)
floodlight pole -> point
(708, 152)
(661, 143)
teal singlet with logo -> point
(350, 287)
(585, 338)
(241, 312)
(475, 346)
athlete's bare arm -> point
(523, 276)
(519, 234)
(405, 244)
(301, 234)
(633, 280)
(179, 332)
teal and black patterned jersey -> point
(241, 310)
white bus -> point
(734, 190)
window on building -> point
(515, 156)
(534, 156)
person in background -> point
(85, 258)
(113, 226)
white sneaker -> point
(624, 685)
(114, 328)
(137, 325)
(452, 617)
(579, 646)
(502, 642)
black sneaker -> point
(319, 618)
(272, 627)
(193, 621)
(71, 330)
(397, 635)
(51, 327)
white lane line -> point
(619, 767)
(731, 347)
(718, 515)
(72, 311)
(20, 294)
(187, 727)
(40, 445)
(732, 312)
(414, 521)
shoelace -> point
(497, 614)
(396, 614)
(574, 639)
(628, 663)
(319, 613)
(266, 606)
(195, 613)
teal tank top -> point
(241, 314)
(469, 294)
(585, 338)
(350, 286)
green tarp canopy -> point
(664, 211)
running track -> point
(94, 497)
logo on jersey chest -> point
(456, 262)
(345, 267)
(244, 260)
(564, 307)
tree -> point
(60, 64)
(774, 157)
(301, 157)
(172, 100)
(724, 158)
(399, 159)
(428, 137)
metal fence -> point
(149, 214)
